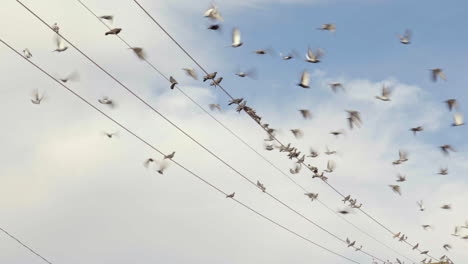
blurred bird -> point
(331, 165)
(110, 134)
(235, 101)
(55, 27)
(108, 18)
(437, 72)
(296, 169)
(447, 247)
(416, 246)
(261, 186)
(314, 58)
(405, 39)
(421, 206)
(424, 252)
(162, 166)
(446, 207)
(443, 171)
(335, 86)
(252, 73)
(214, 27)
(74, 76)
(305, 80)
(416, 129)
(401, 178)
(344, 211)
(170, 156)
(354, 118)
(451, 104)
(329, 152)
(329, 27)
(236, 38)
(231, 195)
(458, 119)
(114, 31)
(289, 56)
(215, 107)
(385, 94)
(270, 148)
(297, 133)
(209, 76)
(139, 52)
(191, 72)
(396, 188)
(446, 148)
(313, 153)
(403, 157)
(173, 82)
(337, 133)
(312, 196)
(27, 53)
(105, 100)
(147, 162)
(426, 227)
(396, 235)
(213, 13)
(305, 113)
(264, 51)
(346, 198)
(37, 99)
(60, 44)
(456, 232)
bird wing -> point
(310, 55)
(236, 37)
(305, 78)
(458, 118)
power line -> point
(230, 96)
(175, 162)
(238, 137)
(23, 244)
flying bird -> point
(261, 186)
(446, 207)
(328, 27)
(74, 76)
(173, 82)
(421, 206)
(406, 38)
(27, 53)
(108, 18)
(313, 153)
(215, 107)
(437, 73)
(236, 101)
(386, 92)
(114, 31)
(451, 104)
(236, 38)
(305, 80)
(314, 57)
(191, 72)
(447, 247)
(305, 113)
(446, 148)
(426, 227)
(214, 27)
(139, 52)
(331, 165)
(416, 129)
(55, 28)
(458, 119)
(110, 134)
(335, 86)
(147, 162)
(443, 171)
(297, 133)
(337, 133)
(401, 178)
(289, 56)
(354, 118)
(252, 73)
(106, 101)
(216, 82)
(312, 196)
(329, 152)
(37, 98)
(162, 166)
(416, 246)
(59, 44)
(396, 188)
(213, 13)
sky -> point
(76, 196)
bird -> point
(55, 27)
(358, 249)
(214, 27)
(396, 188)
(210, 76)
(305, 80)
(313, 153)
(329, 27)
(216, 82)
(170, 156)
(335, 86)
(424, 252)
(213, 13)
(345, 199)
(296, 169)
(314, 58)
(401, 178)
(109, 18)
(437, 73)
(337, 132)
(456, 231)
(416, 246)
(27, 53)
(385, 96)
(351, 244)
(139, 52)
(458, 119)
(214, 107)
(191, 72)
(447, 247)
(162, 166)
(289, 56)
(329, 152)
(37, 99)
(330, 166)
(270, 148)
(147, 162)
(416, 129)
(261, 186)
(426, 227)
(231, 195)
(236, 38)
(105, 100)
(74, 76)
(236, 101)
(305, 113)
(396, 235)
(173, 82)
(312, 196)
(60, 44)
(263, 51)
(252, 73)
(354, 118)
(297, 132)
(403, 157)
(420, 205)
(446, 148)
(443, 171)
(446, 207)
(344, 211)
(114, 31)
(406, 38)
(451, 104)
(110, 134)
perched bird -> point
(314, 58)
(312, 196)
(231, 195)
(139, 52)
(335, 86)
(305, 80)
(74, 76)
(37, 99)
(329, 27)
(55, 27)
(446, 148)
(451, 104)
(416, 246)
(209, 76)
(458, 119)
(405, 39)
(162, 166)
(297, 133)
(401, 178)
(421, 206)
(396, 235)
(191, 72)
(27, 53)
(213, 13)
(173, 82)
(305, 113)
(443, 171)
(60, 44)
(113, 31)
(437, 72)
(424, 252)
(214, 27)
(236, 38)
(261, 186)
(385, 94)
(108, 18)
(446, 207)
(396, 188)
(416, 129)
(236, 101)
(447, 247)
(215, 107)
(330, 166)
(105, 100)
(170, 156)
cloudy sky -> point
(76, 196)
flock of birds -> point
(312, 56)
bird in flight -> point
(59, 43)
(108, 18)
(385, 96)
(328, 27)
(236, 38)
(314, 57)
(37, 98)
(437, 73)
(173, 82)
(406, 38)
(305, 80)
(191, 72)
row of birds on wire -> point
(353, 119)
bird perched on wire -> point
(314, 57)
(214, 107)
(74, 76)
(396, 188)
(114, 31)
(173, 82)
(305, 80)
(328, 27)
(59, 44)
(416, 129)
(109, 18)
(231, 195)
(335, 86)
(385, 96)
(139, 52)
(106, 101)
(406, 38)
(416, 246)
(27, 53)
(446, 148)
(312, 196)
(458, 119)
(170, 156)
(55, 27)
(213, 13)
(209, 76)
(437, 73)
(236, 101)
(305, 113)
(191, 72)
(261, 186)
(236, 38)
(37, 99)
(451, 104)
(345, 199)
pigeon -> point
(447, 247)
(344, 211)
(403, 157)
(337, 133)
(170, 156)
(289, 56)
(110, 134)
(147, 162)
(139, 52)
(416, 129)
(210, 76)
(236, 38)
(352, 244)
(443, 171)
(385, 94)
(296, 169)
(305, 80)
(216, 82)
(27, 53)
(162, 166)
(108, 18)
(305, 113)
(358, 249)
(60, 44)
(421, 206)
(213, 13)
(329, 152)
(416, 246)
(191, 72)
(397, 235)
(346, 198)
(236, 101)
(37, 99)
(424, 252)
(314, 58)
(396, 189)
(401, 178)
(173, 82)
(114, 31)
(446, 148)
(250, 73)
(451, 104)
(354, 118)
(261, 186)
(330, 166)
(263, 51)
(446, 207)
(313, 153)
(74, 76)
(214, 27)
(328, 27)
(458, 119)
(426, 227)
(105, 100)
(335, 86)
(405, 39)
(215, 107)
(55, 28)
(297, 133)
(437, 73)
(312, 196)
(231, 195)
